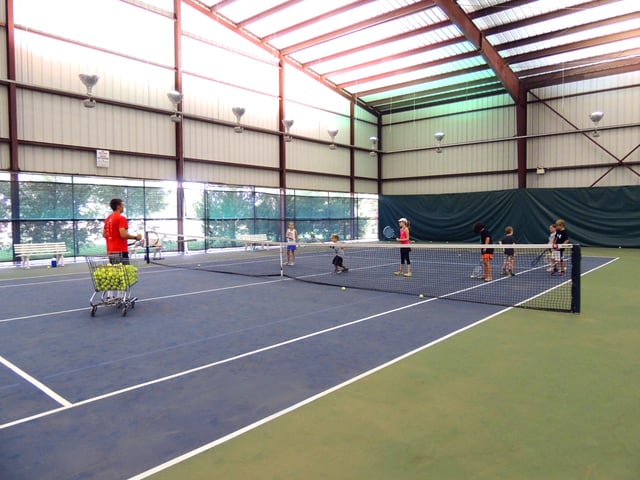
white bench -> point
(28, 250)
(254, 239)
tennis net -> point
(533, 277)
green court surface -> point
(525, 395)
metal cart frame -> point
(120, 297)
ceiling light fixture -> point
(374, 145)
(595, 118)
(332, 131)
(439, 136)
(175, 98)
(238, 112)
(89, 81)
(287, 127)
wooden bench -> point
(254, 239)
(28, 250)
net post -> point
(147, 256)
(576, 277)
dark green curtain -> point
(603, 216)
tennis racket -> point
(536, 261)
(477, 272)
(388, 232)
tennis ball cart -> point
(112, 278)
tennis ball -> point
(421, 295)
(344, 288)
(198, 264)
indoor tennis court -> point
(244, 351)
(304, 239)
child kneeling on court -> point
(338, 259)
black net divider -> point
(526, 276)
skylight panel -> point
(431, 85)
(576, 37)
(583, 56)
(393, 65)
(314, 10)
(378, 51)
(529, 10)
(579, 18)
(416, 75)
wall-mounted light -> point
(287, 127)
(439, 136)
(89, 81)
(595, 118)
(238, 112)
(374, 145)
(540, 171)
(175, 98)
(332, 133)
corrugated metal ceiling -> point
(394, 55)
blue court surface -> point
(200, 357)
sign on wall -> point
(102, 158)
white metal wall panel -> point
(57, 160)
(366, 165)
(4, 156)
(220, 143)
(4, 112)
(229, 67)
(366, 186)
(196, 24)
(478, 158)
(54, 119)
(108, 24)
(3, 10)
(560, 113)
(365, 115)
(3, 46)
(56, 64)
(303, 181)
(319, 158)
(229, 175)
(593, 85)
(208, 99)
(450, 109)
(303, 89)
(596, 177)
(462, 128)
(363, 132)
(582, 149)
(313, 122)
(451, 185)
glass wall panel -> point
(72, 209)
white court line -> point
(213, 364)
(306, 401)
(60, 399)
(296, 406)
(254, 352)
(199, 292)
(36, 383)
(82, 277)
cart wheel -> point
(124, 311)
(93, 311)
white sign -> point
(102, 158)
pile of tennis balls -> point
(115, 277)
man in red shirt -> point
(116, 231)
